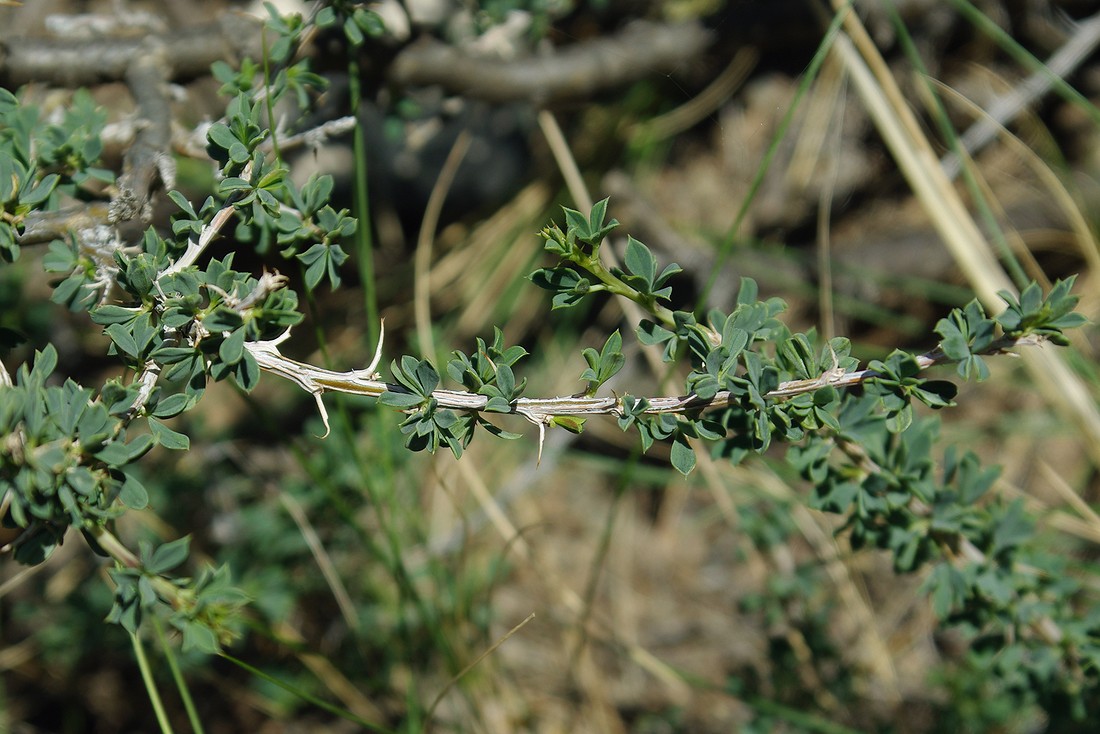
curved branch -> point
(68, 63)
(40, 227)
(574, 71)
(148, 157)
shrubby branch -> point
(148, 156)
(70, 63)
(576, 71)
(179, 319)
(317, 380)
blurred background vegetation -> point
(378, 577)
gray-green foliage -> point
(177, 323)
(871, 460)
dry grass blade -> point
(913, 153)
(423, 258)
(468, 668)
(1081, 523)
(703, 104)
(1086, 240)
(321, 556)
(329, 675)
(18, 655)
(1059, 484)
(21, 577)
(1083, 41)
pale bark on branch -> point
(576, 71)
(68, 63)
(317, 381)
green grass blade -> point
(758, 179)
(951, 137)
(150, 685)
(364, 239)
(307, 697)
(177, 676)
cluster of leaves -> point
(604, 364)
(190, 326)
(898, 383)
(578, 248)
(64, 459)
(1003, 593)
(36, 157)
(68, 461)
(41, 159)
(488, 372)
(252, 77)
(725, 353)
(300, 222)
(273, 210)
(205, 610)
(883, 480)
(965, 334)
(357, 22)
(71, 147)
(65, 462)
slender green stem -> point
(364, 239)
(268, 101)
(309, 698)
(113, 547)
(616, 286)
(758, 179)
(470, 666)
(150, 686)
(314, 313)
(177, 676)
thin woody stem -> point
(197, 245)
(618, 287)
(316, 381)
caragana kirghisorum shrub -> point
(178, 318)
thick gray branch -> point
(41, 227)
(71, 64)
(149, 155)
(579, 70)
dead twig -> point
(579, 70)
(71, 64)
(148, 157)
